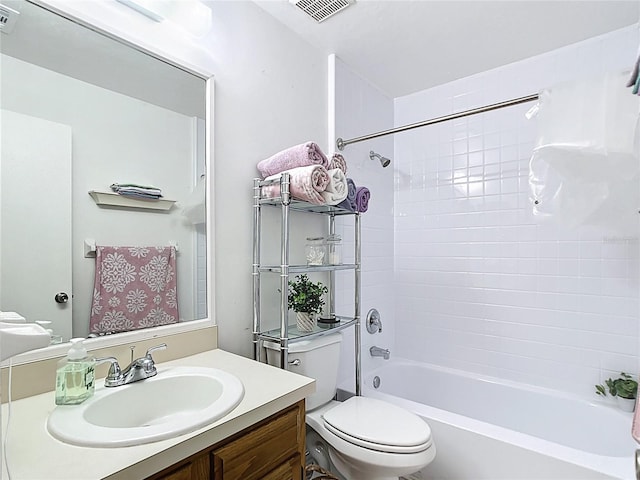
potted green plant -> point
(624, 389)
(306, 299)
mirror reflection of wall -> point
(82, 111)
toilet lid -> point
(378, 425)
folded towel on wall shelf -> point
(349, 203)
(337, 188)
(305, 183)
(362, 199)
(135, 287)
(302, 155)
(338, 161)
(135, 190)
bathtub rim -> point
(619, 467)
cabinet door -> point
(265, 452)
(290, 470)
(197, 468)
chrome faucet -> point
(380, 352)
(139, 369)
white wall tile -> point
(481, 283)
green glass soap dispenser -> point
(75, 375)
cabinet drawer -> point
(265, 448)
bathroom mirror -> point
(81, 111)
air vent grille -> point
(8, 18)
(320, 10)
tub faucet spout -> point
(380, 352)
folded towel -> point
(305, 183)
(337, 188)
(338, 161)
(349, 203)
(362, 199)
(298, 156)
(133, 190)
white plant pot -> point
(626, 404)
(305, 321)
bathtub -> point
(485, 428)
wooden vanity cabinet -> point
(272, 449)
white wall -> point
(482, 284)
(362, 108)
(270, 94)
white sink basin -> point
(177, 400)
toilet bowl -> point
(367, 439)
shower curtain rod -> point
(340, 143)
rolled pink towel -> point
(308, 153)
(362, 199)
(305, 183)
(338, 161)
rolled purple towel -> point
(349, 203)
(302, 155)
(362, 199)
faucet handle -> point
(115, 376)
(162, 346)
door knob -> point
(61, 297)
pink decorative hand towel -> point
(338, 161)
(135, 287)
(298, 156)
(306, 183)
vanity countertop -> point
(33, 454)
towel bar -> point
(90, 247)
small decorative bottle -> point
(75, 375)
(334, 249)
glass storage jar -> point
(334, 249)
(315, 251)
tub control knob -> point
(374, 322)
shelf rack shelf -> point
(285, 333)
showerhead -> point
(384, 161)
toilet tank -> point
(319, 358)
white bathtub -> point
(486, 428)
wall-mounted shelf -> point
(116, 200)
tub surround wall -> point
(360, 108)
(484, 286)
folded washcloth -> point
(362, 199)
(134, 190)
(298, 156)
(305, 183)
(349, 203)
(337, 188)
(338, 161)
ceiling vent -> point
(320, 10)
(8, 18)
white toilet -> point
(367, 439)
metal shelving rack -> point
(286, 333)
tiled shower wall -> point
(481, 284)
